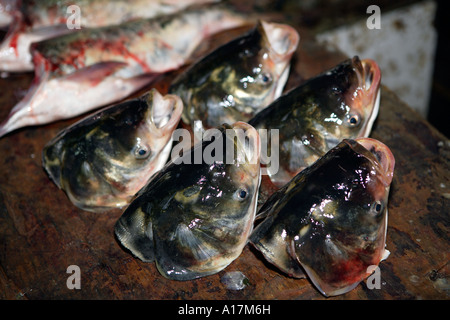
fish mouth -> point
(369, 79)
(368, 73)
(382, 156)
(167, 109)
(251, 144)
(282, 39)
(371, 75)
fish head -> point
(242, 168)
(219, 208)
(329, 222)
(261, 75)
(349, 222)
(194, 218)
(141, 134)
(317, 115)
(349, 98)
(237, 79)
(104, 159)
(232, 173)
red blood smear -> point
(350, 271)
(77, 57)
(13, 43)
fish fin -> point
(135, 83)
(279, 256)
(184, 255)
(34, 108)
(275, 248)
(134, 230)
(51, 161)
(94, 74)
(22, 114)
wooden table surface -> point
(42, 233)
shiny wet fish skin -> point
(312, 118)
(104, 159)
(237, 79)
(194, 219)
(329, 222)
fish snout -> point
(166, 111)
(368, 102)
(283, 40)
(248, 137)
(383, 155)
(368, 73)
(371, 76)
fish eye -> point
(336, 91)
(241, 194)
(353, 120)
(141, 152)
(377, 207)
(265, 78)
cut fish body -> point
(79, 72)
(32, 21)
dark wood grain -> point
(42, 233)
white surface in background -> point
(404, 48)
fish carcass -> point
(32, 21)
(78, 72)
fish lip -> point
(369, 75)
(369, 80)
(255, 150)
(382, 156)
(283, 40)
(170, 105)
